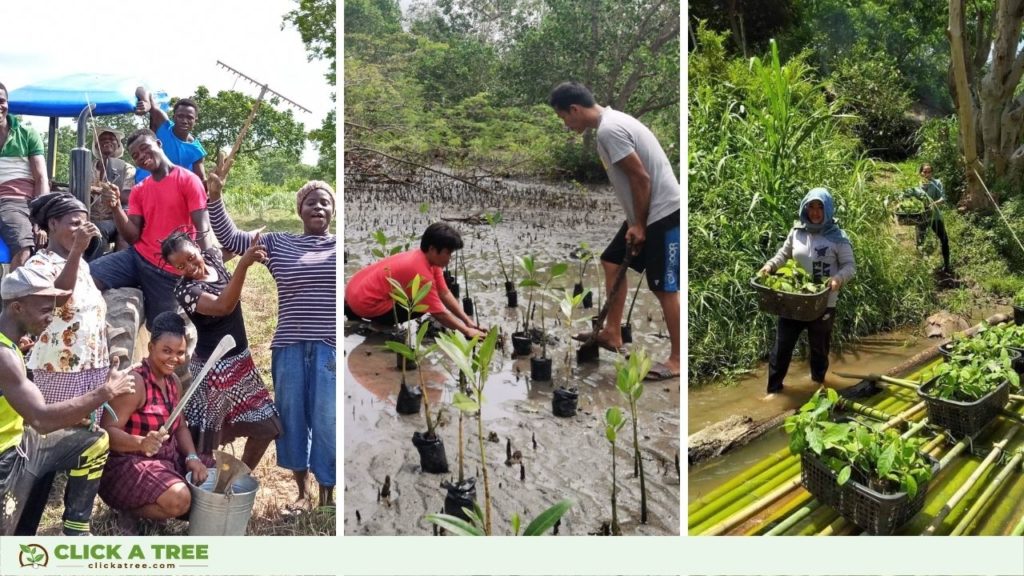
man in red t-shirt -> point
(367, 294)
(169, 199)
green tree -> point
(316, 21)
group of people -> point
(74, 409)
(647, 190)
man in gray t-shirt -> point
(648, 191)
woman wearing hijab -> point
(70, 357)
(303, 351)
(823, 249)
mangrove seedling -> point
(882, 460)
(532, 281)
(475, 527)
(585, 256)
(1018, 298)
(910, 205)
(568, 305)
(476, 369)
(431, 448)
(613, 422)
(791, 277)
(382, 250)
(629, 379)
(410, 299)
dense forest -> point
(463, 84)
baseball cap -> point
(25, 281)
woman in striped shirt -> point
(303, 351)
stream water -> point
(561, 457)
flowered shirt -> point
(76, 339)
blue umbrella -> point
(66, 97)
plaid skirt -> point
(232, 402)
(131, 481)
(60, 386)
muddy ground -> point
(571, 458)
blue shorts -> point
(659, 256)
(127, 269)
(305, 381)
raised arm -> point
(146, 105)
(222, 305)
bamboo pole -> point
(794, 518)
(752, 509)
(739, 480)
(990, 490)
(743, 489)
(780, 512)
(994, 453)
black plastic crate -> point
(964, 418)
(912, 218)
(1018, 315)
(874, 512)
(802, 307)
(1016, 356)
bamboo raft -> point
(978, 490)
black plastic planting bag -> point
(540, 369)
(409, 400)
(460, 495)
(432, 456)
(563, 403)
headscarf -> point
(54, 205)
(308, 188)
(828, 227)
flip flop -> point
(660, 372)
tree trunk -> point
(986, 106)
(974, 195)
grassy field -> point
(277, 488)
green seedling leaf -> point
(455, 525)
(465, 403)
(546, 519)
(558, 269)
(515, 524)
(844, 475)
(400, 349)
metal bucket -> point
(221, 514)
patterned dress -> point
(233, 401)
(70, 358)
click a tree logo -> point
(33, 555)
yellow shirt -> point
(12, 425)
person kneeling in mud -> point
(824, 250)
(368, 293)
(149, 456)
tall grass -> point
(760, 135)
